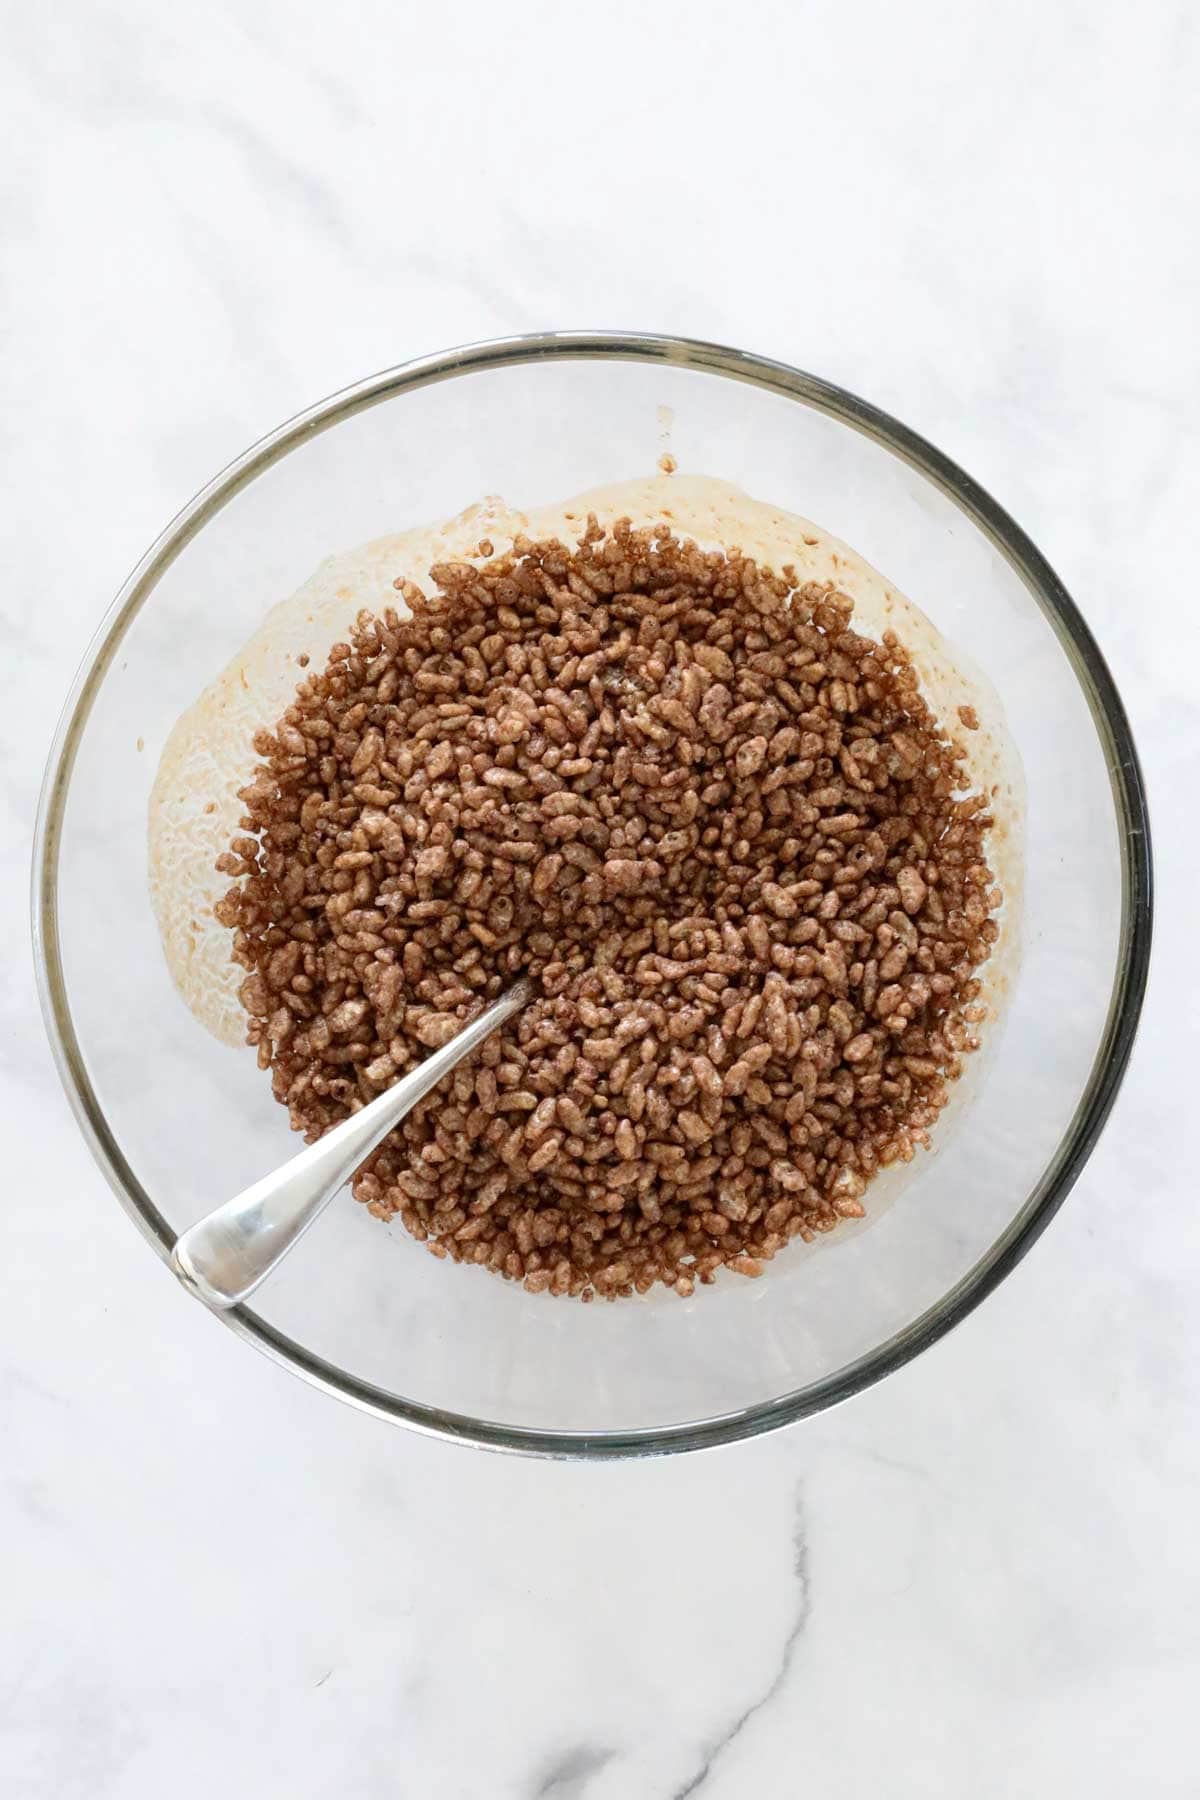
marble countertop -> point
(982, 1578)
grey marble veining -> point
(712, 1752)
(981, 1578)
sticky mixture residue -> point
(716, 818)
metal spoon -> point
(224, 1256)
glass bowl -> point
(178, 1122)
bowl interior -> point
(181, 1122)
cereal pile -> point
(722, 831)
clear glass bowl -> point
(177, 1122)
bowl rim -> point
(1111, 724)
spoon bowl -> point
(224, 1256)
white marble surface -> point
(983, 1577)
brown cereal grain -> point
(719, 827)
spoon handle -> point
(224, 1256)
